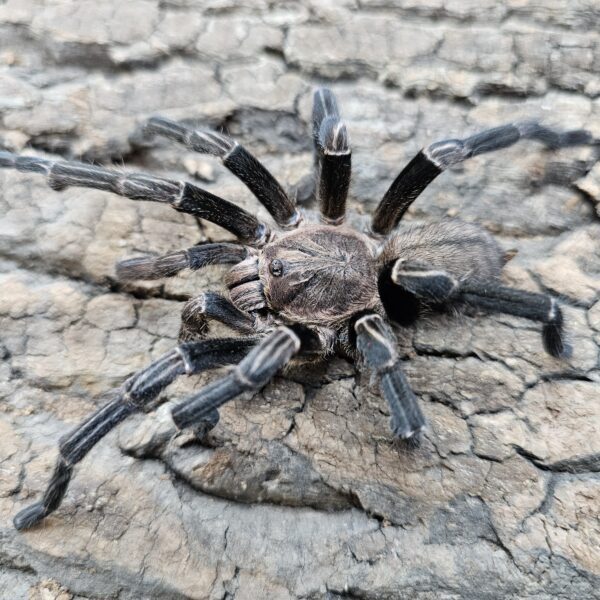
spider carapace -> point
(312, 288)
(319, 275)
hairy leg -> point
(136, 394)
(439, 287)
(537, 307)
(437, 157)
(169, 265)
(376, 345)
(211, 306)
(238, 160)
(184, 197)
(332, 157)
(267, 358)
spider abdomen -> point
(462, 249)
(442, 254)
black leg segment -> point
(333, 157)
(423, 282)
(530, 305)
(169, 265)
(376, 346)
(437, 157)
(238, 160)
(184, 197)
(136, 394)
(438, 287)
(267, 358)
(405, 285)
(211, 306)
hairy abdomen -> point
(462, 249)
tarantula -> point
(315, 289)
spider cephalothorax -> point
(312, 288)
(319, 275)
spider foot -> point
(30, 516)
(408, 444)
(553, 335)
(407, 420)
(554, 341)
(403, 432)
(205, 426)
(34, 513)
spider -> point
(313, 288)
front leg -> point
(169, 265)
(376, 346)
(238, 160)
(333, 157)
(267, 358)
(182, 196)
(136, 394)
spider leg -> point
(437, 157)
(211, 306)
(168, 265)
(376, 346)
(332, 157)
(238, 160)
(422, 281)
(136, 394)
(530, 305)
(182, 196)
(438, 287)
(267, 358)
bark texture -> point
(301, 492)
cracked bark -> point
(300, 492)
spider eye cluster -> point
(276, 268)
